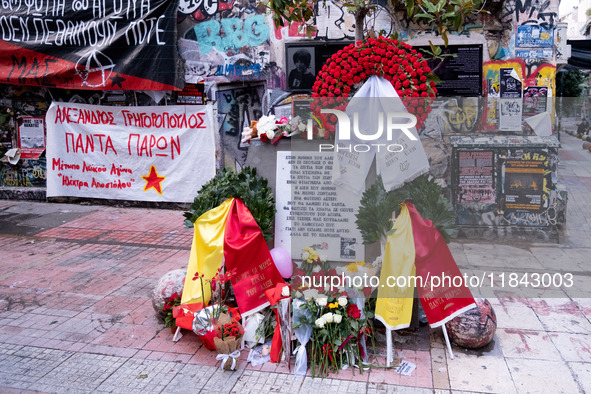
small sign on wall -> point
(31, 131)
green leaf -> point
(433, 47)
(410, 7)
(445, 38)
(430, 6)
(422, 15)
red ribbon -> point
(361, 351)
(274, 295)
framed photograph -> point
(304, 60)
(301, 68)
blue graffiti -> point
(237, 70)
(254, 32)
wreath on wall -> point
(254, 191)
(400, 64)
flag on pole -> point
(228, 233)
(394, 303)
(207, 251)
(417, 254)
(246, 251)
(448, 296)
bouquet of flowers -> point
(339, 329)
(227, 342)
(207, 321)
(313, 262)
(356, 273)
(170, 303)
(268, 128)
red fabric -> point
(207, 339)
(246, 251)
(274, 295)
(433, 259)
(52, 71)
(183, 314)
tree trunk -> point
(359, 22)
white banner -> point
(129, 153)
(406, 161)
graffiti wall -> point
(237, 106)
(223, 41)
(28, 173)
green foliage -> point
(568, 84)
(446, 15)
(377, 205)
(246, 185)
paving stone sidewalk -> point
(76, 313)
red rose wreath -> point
(391, 59)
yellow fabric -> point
(394, 304)
(207, 252)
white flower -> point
(328, 317)
(266, 125)
(319, 323)
(316, 268)
(310, 293)
(305, 256)
(322, 256)
(337, 318)
(285, 291)
(298, 294)
(321, 301)
(342, 301)
(270, 134)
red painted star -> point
(153, 180)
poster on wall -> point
(95, 45)
(523, 182)
(312, 211)
(460, 72)
(510, 114)
(192, 93)
(510, 83)
(31, 131)
(534, 36)
(535, 100)
(129, 153)
(476, 177)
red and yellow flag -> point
(228, 233)
(416, 253)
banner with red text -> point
(129, 153)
